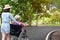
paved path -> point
(38, 33)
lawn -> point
(34, 24)
(0, 21)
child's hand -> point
(19, 23)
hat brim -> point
(7, 8)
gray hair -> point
(17, 16)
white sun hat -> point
(17, 16)
(6, 6)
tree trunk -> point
(36, 19)
(22, 17)
(29, 19)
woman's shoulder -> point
(6, 13)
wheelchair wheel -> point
(14, 38)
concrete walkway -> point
(38, 33)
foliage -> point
(28, 8)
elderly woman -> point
(17, 17)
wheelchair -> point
(17, 34)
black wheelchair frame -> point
(15, 30)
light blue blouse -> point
(6, 17)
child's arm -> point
(11, 17)
(22, 24)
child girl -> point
(5, 27)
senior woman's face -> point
(18, 19)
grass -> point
(0, 21)
(34, 24)
(50, 24)
(45, 24)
